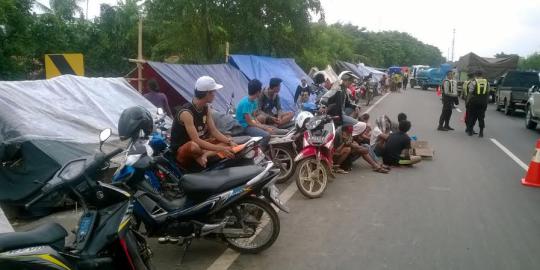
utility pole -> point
(87, 10)
(453, 42)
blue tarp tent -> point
(182, 79)
(264, 68)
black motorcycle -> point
(104, 239)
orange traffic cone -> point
(532, 178)
(439, 91)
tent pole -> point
(140, 58)
(227, 52)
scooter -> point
(104, 238)
(232, 204)
(315, 160)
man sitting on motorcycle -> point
(194, 136)
(270, 112)
(338, 102)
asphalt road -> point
(465, 209)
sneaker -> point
(442, 129)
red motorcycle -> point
(315, 161)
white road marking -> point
(227, 258)
(510, 154)
(375, 104)
(458, 109)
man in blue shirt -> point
(245, 114)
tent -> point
(328, 73)
(264, 68)
(342, 66)
(492, 67)
(369, 70)
(45, 123)
(177, 82)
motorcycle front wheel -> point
(253, 225)
(284, 160)
(312, 178)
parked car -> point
(533, 107)
(512, 90)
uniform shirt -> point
(450, 88)
(245, 106)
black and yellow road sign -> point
(62, 64)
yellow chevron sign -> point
(61, 64)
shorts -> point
(185, 155)
(266, 118)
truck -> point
(493, 68)
(432, 77)
(532, 109)
(512, 90)
(415, 69)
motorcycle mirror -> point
(103, 136)
(159, 111)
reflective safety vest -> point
(465, 87)
(481, 87)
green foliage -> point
(191, 31)
(532, 62)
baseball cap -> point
(359, 128)
(207, 83)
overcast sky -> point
(490, 27)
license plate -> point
(274, 196)
(316, 139)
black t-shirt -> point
(179, 135)
(394, 146)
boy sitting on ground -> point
(397, 147)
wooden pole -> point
(227, 52)
(140, 58)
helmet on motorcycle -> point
(347, 75)
(302, 118)
(133, 120)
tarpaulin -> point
(328, 72)
(183, 77)
(264, 68)
(45, 123)
(493, 68)
(343, 66)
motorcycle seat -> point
(203, 185)
(46, 234)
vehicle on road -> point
(315, 160)
(512, 90)
(432, 77)
(415, 70)
(532, 109)
(104, 238)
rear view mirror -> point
(159, 111)
(103, 136)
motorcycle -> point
(315, 160)
(232, 204)
(282, 150)
(104, 238)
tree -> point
(532, 62)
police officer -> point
(465, 95)
(478, 98)
(449, 98)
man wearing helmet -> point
(194, 136)
(338, 102)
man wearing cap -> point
(270, 111)
(478, 101)
(194, 136)
(337, 100)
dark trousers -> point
(476, 112)
(448, 104)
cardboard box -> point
(423, 149)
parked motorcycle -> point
(104, 238)
(233, 204)
(315, 161)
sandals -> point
(381, 170)
(340, 170)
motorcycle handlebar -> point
(49, 189)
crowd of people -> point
(195, 137)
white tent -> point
(328, 72)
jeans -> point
(372, 153)
(257, 132)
